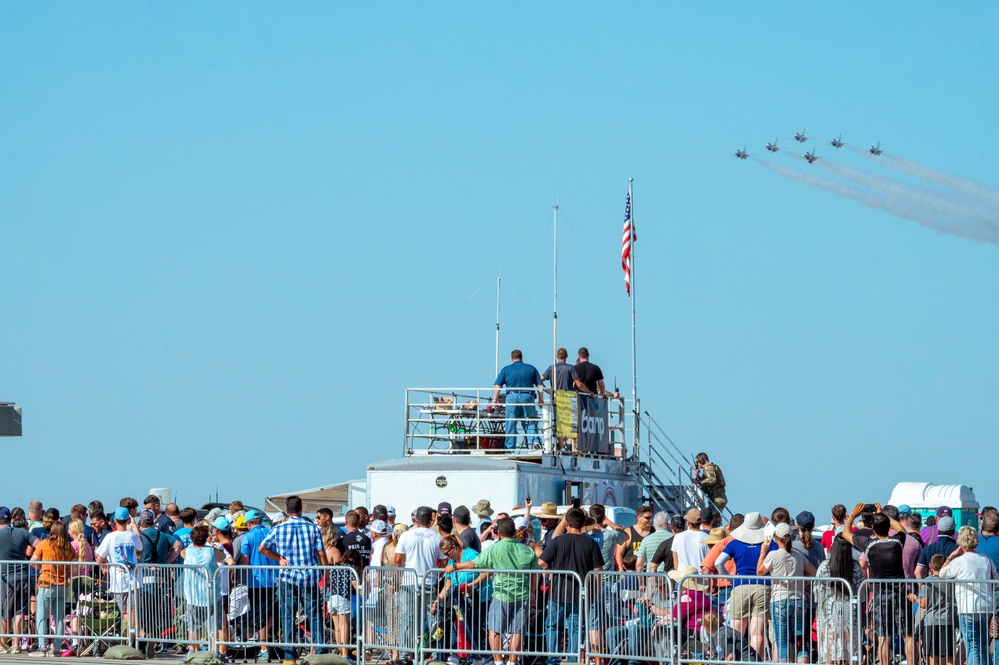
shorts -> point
(504, 617)
(15, 599)
(891, 614)
(122, 601)
(750, 600)
(938, 640)
(338, 605)
(199, 618)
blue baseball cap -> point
(4, 513)
(121, 514)
(254, 514)
(221, 523)
(904, 510)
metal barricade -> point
(391, 607)
(928, 618)
(744, 619)
(176, 608)
(629, 616)
(516, 613)
(77, 608)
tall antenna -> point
(555, 293)
(499, 281)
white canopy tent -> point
(335, 497)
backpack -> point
(154, 553)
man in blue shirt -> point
(260, 581)
(522, 383)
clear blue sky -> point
(232, 234)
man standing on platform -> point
(522, 383)
(589, 374)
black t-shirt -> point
(883, 556)
(357, 541)
(727, 642)
(164, 524)
(663, 555)
(637, 538)
(575, 552)
(13, 547)
(470, 539)
(945, 545)
(589, 374)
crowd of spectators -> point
(751, 588)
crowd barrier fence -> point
(388, 612)
(64, 604)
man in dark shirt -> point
(890, 611)
(588, 373)
(160, 520)
(945, 544)
(15, 595)
(578, 553)
(354, 539)
(462, 520)
(100, 527)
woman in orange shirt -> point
(53, 580)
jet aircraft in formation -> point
(742, 154)
(837, 143)
(875, 150)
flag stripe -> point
(629, 237)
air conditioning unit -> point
(10, 419)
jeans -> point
(975, 632)
(788, 621)
(50, 600)
(292, 597)
(410, 601)
(562, 618)
(519, 406)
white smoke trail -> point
(894, 205)
(964, 185)
(934, 199)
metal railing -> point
(469, 614)
(465, 420)
(62, 606)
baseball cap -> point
(121, 514)
(462, 512)
(783, 530)
(4, 513)
(943, 510)
(253, 514)
(379, 527)
(693, 516)
(707, 514)
(945, 524)
(443, 508)
(379, 512)
(805, 520)
(390, 511)
(221, 523)
(904, 510)
(240, 522)
(146, 517)
(520, 522)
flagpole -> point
(555, 304)
(634, 363)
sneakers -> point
(16, 649)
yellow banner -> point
(565, 414)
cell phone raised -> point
(868, 507)
(575, 502)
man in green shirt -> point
(512, 592)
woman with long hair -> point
(787, 597)
(837, 578)
(53, 581)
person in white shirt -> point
(974, 599)
(420, 550)
(123, 546)
(688, 546)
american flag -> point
(628, 239)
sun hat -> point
(689, 583)
(549, 510)
(783, 530)
(717, 535)
(751, 531)
(482, 508)
(693, 516)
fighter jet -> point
(742, 154)
(810, 156)
(837, 143)
(772, 147)
(800, 138)
(875, 150)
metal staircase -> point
(666, 472)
